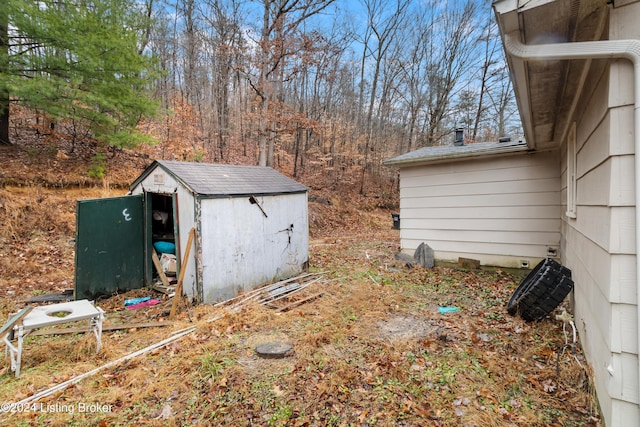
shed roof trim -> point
(452, 152)
(226, 180)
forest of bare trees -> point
(339, 82)
(324, 85)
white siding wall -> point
(244, 248)
(599, 244)
(500, 210)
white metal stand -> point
(51, 315)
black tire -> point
(525, 285)
(541, 291)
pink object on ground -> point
(147, 303)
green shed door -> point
(109, 246)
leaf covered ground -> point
(371, 350)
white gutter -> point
(607, 49)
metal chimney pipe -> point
(459, 141)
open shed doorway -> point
(164, 234)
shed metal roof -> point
(453, 152)
(209, 179)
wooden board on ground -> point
(183, 268)
(82, 330)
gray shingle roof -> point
(227, 180)
(446, 152)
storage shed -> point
(251, 227)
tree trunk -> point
(4, 117)
(4, 63)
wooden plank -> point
(178, 295)
(300, 302)
(64, 385)
(167, 290)
(14, 320)
(84, 329)
(156, 262)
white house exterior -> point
(498, 203)
(251, 224)
(575, 72)
(575, 67)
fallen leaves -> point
(373, 350)
(549, 386)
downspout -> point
(606, 49)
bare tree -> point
(491, 41)
(384, 25)
(4, 92)
(281, 20)
(503, 105)
(451, 54)
(413, 75)
(224, 46)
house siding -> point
(501, 210)
(599, 244)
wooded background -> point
(307, 86)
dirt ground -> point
(369, 347)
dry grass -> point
(372, 350)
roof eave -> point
(508, 19)
(458, 156)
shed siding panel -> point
(187, 220)
(490, 208)
(245, 248)
(158, 181)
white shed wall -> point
(501, 210)
(599, 244)
(243, 248)
(159, 181)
